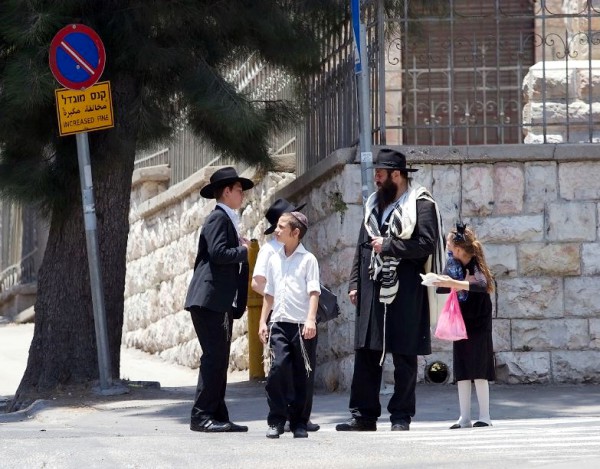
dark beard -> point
(386, 194)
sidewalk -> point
(150, 427)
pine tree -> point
(165, 62)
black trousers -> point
(289, 388)
(366, 384)
(214, 333)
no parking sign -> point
(77, 57)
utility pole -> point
(361, 69)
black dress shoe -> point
(400, 426)
(274, 431)
(210, 426)
(355, 425)
(300, 433)
(237, 428)
(312, 427)
(458, 425)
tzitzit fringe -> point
(304, 353)
(226, 327)
(384, 324)
(268, 354)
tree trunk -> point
(63, 351)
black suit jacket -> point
(217, 274)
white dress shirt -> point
(290, 281)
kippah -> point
(301, 218)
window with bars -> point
(462, 70)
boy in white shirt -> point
(259, 279)
(292, 294)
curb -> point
(24, 414)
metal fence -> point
(18, 245)
(463, 65)
(187, 153)
(21, 273)
(457, 72)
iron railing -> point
(21, 273)
(458, 72)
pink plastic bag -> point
(450, 325)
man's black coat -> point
(407, 328)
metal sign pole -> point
(364, 107)
(89, 217)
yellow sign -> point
(82, 111)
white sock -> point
(464, 401)
(482, 389)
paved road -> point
(539, 426)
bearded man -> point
(401, 229)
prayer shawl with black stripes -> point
(401, 225)
(402, 222)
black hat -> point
(392, 159)
(224, 177)
(278, 208)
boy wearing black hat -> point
(291, 297)
(214, 300)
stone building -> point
(495, 102)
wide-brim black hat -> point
(392, 159)
(224, 177)
(278, 208)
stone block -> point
(501, 259)
(238, 357)
(535, 135)
(581, 296)
(587, 88)
(509, 189)
(579, 180)
(556, 113)
(594, 333)
(445, 188)
(576, 366)
(240, 327)
(477, 190)
(530, 298)
(550, 334)
(549, 83)
(501, 335)
(335, 375)
(523, 367)
(571, 221)
(540, 186)
(514, 229)
(339, 342)
(335, 268)
(554, 259)
(590, 257)
(328, 197)
(351, 188)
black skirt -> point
(474, 357)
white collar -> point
(300, 249)
(232, 214)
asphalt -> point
(149, 425)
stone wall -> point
(564, 99)
(536, 210)
(164, 229)
(535, 207)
